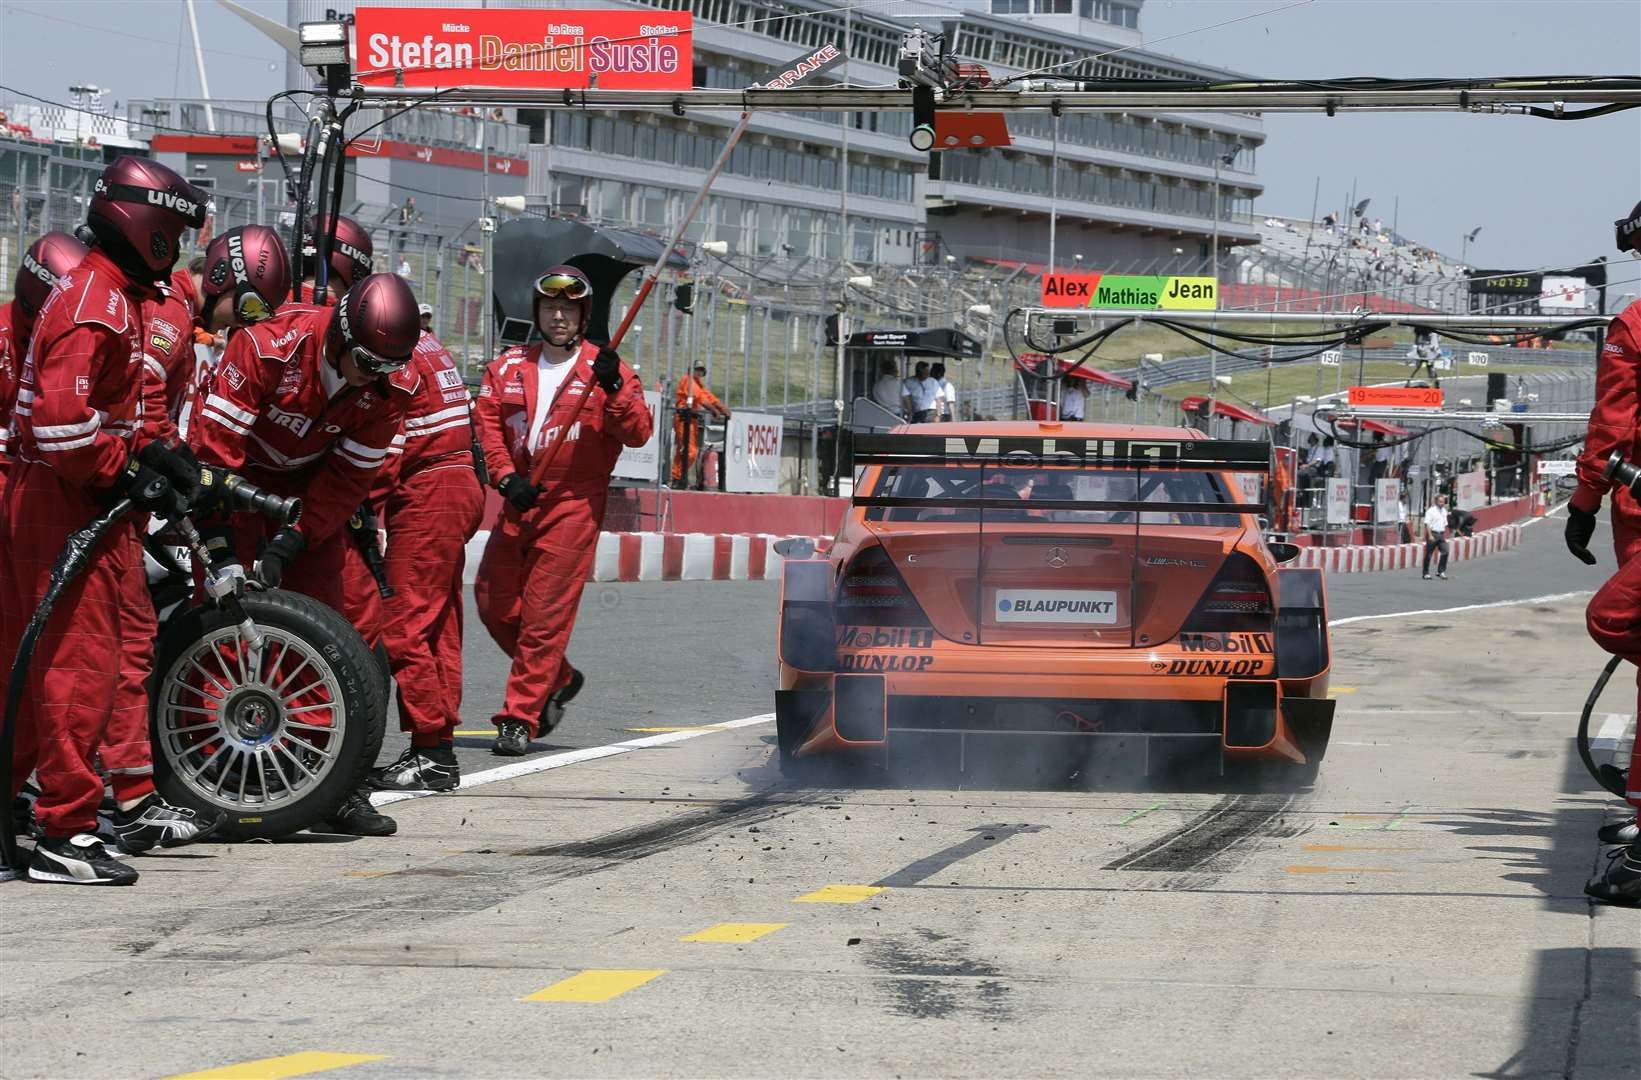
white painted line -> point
(1550, 599)
(572, 757)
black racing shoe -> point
(22, 815)
(512, 738)
(1619, 832)
(552, 714)
(1622, 882)
(156, 823)
(431, 768)
(79, 860)
(356, 817)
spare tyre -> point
(278, 739)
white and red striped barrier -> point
(1371, 558)
(653, 556)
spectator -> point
(404, 267)
(945, 402)
(919, 394)
(1073, 400)
(1327, 458)
(886, 391)
(1435, 537)
(426, 313)
(1381, 458)
(407, 212)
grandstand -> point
(1301, 265)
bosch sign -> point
(754, 444)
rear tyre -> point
(275, 741)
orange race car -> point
(1077, 594)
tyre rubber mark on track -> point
(640, 841)
(573, 757)
(278, 1068)
(839, 894)
(1340, 870)
(986, 836)
(595, 986)
(734, 933)
(1211, 835)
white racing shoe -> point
(79, 860)
(1619, 832)
(155, 823)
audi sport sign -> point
(554, 48)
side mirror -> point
(795, 547)
(1282, 551)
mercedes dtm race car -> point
(1080, 594)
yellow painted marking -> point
(1137, 814)
(735, 932)
(595, 985)
(680, 727)
(277, 1068)
(1351, 847)
(476, 731)
(840, 894)
(1340, 870)
(1337, 690)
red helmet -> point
(46, 260)
(378, 322)
(1628, 231)
(251, 262)
(570, 282)
(350, 251)
(138, 212)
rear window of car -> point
(936, 483)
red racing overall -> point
(77, 419)
(429, 500)
(277, 411)
(535, 563)
(15, 328)
(1614, 614)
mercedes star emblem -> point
(1056, 557)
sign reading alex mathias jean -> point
(1139, 292)
(555, 48)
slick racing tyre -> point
(277, 741)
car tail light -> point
(872, 593)
(1238, 600)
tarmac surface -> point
(676, 907)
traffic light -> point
(831, 330)
(922, 136)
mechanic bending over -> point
(81, 443)
(563, 389)
(1614, 614)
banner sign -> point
(1563, 294)
(1470, 490)
(1134, 291)
(1395, 397)
(805, 68)
(1557, 467)
(1338, 500)
(643, 462)
(753, 458)
(1387, 499)
(554, 48)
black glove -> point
(607, 370)
(148, 489)
(279, 553)
(1580, 528)
(177, 464)
(518, 491)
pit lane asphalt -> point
(685, 911)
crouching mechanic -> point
(562, 389)
(47, 259)
(428, 498)
(1614, 614)
(307, 405)
(80, 445)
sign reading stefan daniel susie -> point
(1138, 292)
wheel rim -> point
(250, 735)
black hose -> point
(1610, 777)
(75, 555)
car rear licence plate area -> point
(1048, 716)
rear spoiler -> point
(1174, 455)
(1180, 455)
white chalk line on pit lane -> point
(573, 757)
(1550, 599)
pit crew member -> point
(47, 259)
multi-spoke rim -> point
(251, 737)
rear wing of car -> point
(1024, 451)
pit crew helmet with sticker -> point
(1627, 231)
(572, 284)
(377, 322)
(46, 260)
(139, 209)
(251, 263)
(351, 249)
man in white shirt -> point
(886, 391)
(1435, 537)
(920, 394)
(945, 402)
(1073, 400)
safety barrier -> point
(1370, 558)
(654, 556)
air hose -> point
(1610, 777)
